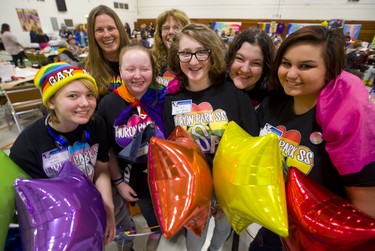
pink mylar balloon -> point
(320, 220)
(180, 183)
(61, 213)
(248, 180)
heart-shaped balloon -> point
(248, 180)
(61, 213)
(320, 220)
(180, 183)
(9, 171)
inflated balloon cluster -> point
(249, 184)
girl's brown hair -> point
(211, 41)
(333, 51)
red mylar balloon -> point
(320, 220)
(180, 183)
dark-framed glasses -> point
(201, 55)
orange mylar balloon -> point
(180, 183)
(248, 180)
(321, 220)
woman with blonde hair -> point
(168, 24)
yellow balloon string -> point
(134, 233)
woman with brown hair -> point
(106, 36)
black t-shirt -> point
(211, 111)
(115, 80)
(302, 145)
(109, 108)
(35, 141)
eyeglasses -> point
(201, 55)
(166, 29)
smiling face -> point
(196, 71)
(136, 71)
(168, 30)
(107, 36)
(73, 104)
(302, 71)
(247, 66)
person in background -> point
(312, 99)
(196, 57)
(12, 46)
(41, 38)
(71, 54)
(80, 35)
(249, 59)
(143, 28)
(2, 48)
(151, 29)
(64, 32)
(128, 30)
(144, 40)
(356, 59)
(168, 24)
(369, 75)
(277, 44)
(135, 98)
(348, 38)
(33, 33)
(70, 131)
(106, 36)
(75, 49)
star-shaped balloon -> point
(248, 180)
(320, 220)
(180, 183)
(9, 171)
(61, 213)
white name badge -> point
(181, 106)
(268, 129)
(53, 160)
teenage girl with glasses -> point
(197, 58)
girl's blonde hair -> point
(90, 85)
(159, 50)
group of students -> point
(302, 88)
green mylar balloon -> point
(9, 171)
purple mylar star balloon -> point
(61, 213)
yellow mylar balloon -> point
(248, 180)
